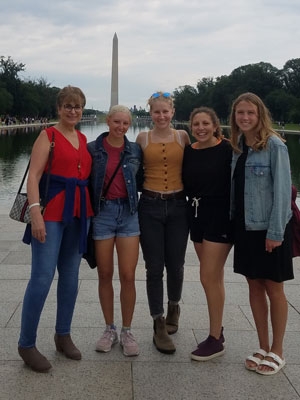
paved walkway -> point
(151, 375)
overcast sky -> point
(162, 44)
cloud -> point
(162, 45)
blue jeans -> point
(164, 235)
(61, 249)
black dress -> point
(250, 256)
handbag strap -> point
(104, 193)
(43, 201)
(24, 176)
(52, 144)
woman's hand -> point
(271, 245)
(38, 229)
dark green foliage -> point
(20, 98)
(280, 89)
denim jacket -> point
(267, 192)
(131, 167)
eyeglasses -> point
(70, 108)
(159, 94)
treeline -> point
(24, 98)
(21, 98)
(279, 89)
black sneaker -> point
(209, 348)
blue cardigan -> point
(56, 185)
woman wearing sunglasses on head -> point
(163, 217)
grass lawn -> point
(288, 127)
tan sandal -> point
(255, 360)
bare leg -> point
(259, 308)
(278, 312)
(128, 251)
(212, 257)
(104, 257)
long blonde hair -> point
(264, 127)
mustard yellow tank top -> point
(163, 165)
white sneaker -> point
(129, 344)
(107, 340)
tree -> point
(260, 78)
(291, 76)
(279, 88)
(294, 113)
(185, 100)
(47, 98)
(29, 100)
(6, 101)
(9, 71)
(222, 97)
(280, 104)
(24, 98)
(205, 89)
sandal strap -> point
(275, 357)
(262, 352)
(254, 359)
(270, 364)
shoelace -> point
(129, 337)
(109, 334)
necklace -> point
(79, 156)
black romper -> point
(250, 257)
(206, 179)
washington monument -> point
(114, 94)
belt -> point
(164, 196)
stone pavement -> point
(151, 375)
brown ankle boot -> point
(172, 318)
(34, 359)
(64, 344)
(161, 339)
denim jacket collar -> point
(99, 143)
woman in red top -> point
(58, 237)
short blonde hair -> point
(119, 108)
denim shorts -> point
(115, 220)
